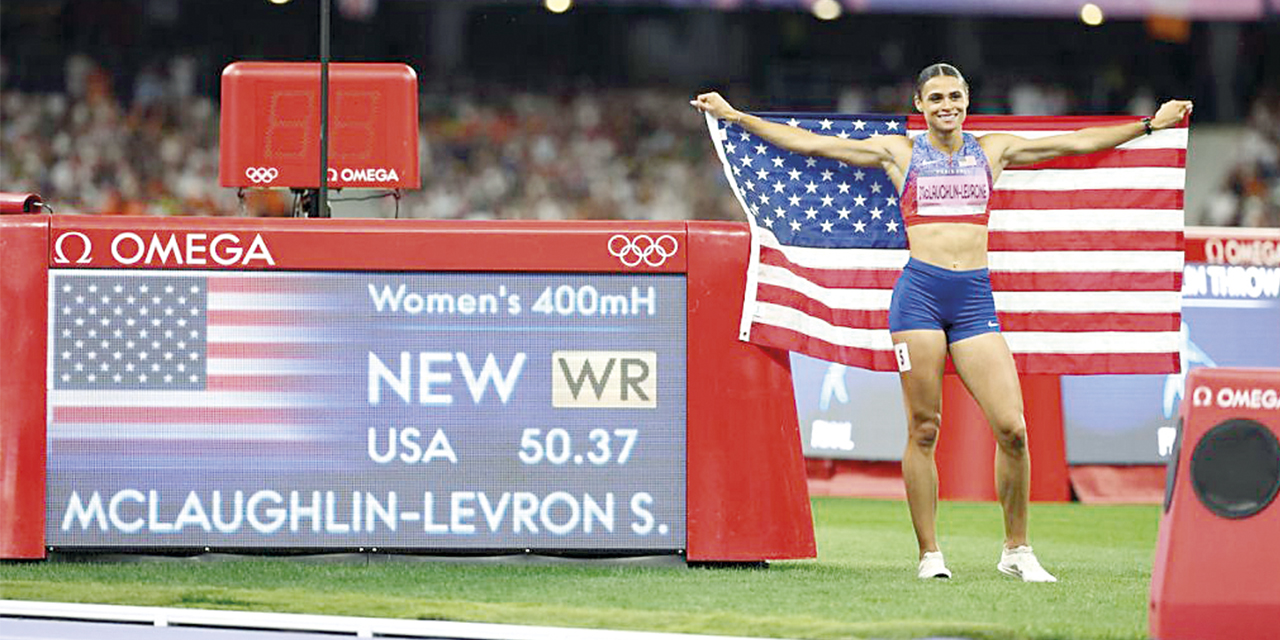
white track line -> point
(358, 627)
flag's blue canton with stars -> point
(129, 332)
(817, 202)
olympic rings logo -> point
(261, 175)
(643, 248)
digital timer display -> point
(452, 411)
(270, 125)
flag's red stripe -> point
(1037, 321)
(1117, 159)
(274, 317)
(186, 415)
(1075, 322)
(1096, 363)
(1087, 199)
(227, 447)
(267, 350)
(1086, 241)
(271, 383)
(1027, 363)
(1087, 281)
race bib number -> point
(962, 195)
(904, 358)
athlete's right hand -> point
(713, 104)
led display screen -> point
(310, 410)
(848, 413)
(1230, 317)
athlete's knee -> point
(923, 429)
(1011, 434)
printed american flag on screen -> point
(1086, 252)
(180, 357)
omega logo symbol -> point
(643, 248)
(1201, 397)
(261, 175)
(59, 250)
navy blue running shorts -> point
(930, 297)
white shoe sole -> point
(939, 573)
(1015, 572)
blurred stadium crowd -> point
(1250, 195)
(607, 154)
(580, 154)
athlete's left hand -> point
(1170, 114)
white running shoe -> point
(1021, 563)
(932, 566)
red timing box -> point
(1215, 567)
(270, 127)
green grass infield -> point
(862, 585)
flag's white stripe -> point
(1096, 178)
(165, 398)
(1094, 342)
(1089, 301)
(1086, 220)
(261, 334)
(226, 301)
(1163, 139)
(862, 299)
(750, 290)
(267, 367)
(1011, 261)
(821, 258)
(795, 320)
(1011, 301)
(1085, 261)
(71, 431)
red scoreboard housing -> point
(746, 497)
(270, 125)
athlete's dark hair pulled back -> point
(939, 69)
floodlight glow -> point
(826, 9)
(558, 6)
(1091, 14)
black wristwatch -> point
(1146, 124)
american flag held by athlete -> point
(1085, 251)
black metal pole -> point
(322, 204)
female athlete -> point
(942, 302)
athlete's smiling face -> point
(944, 101)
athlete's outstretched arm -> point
(870, 152)
(1015, 150)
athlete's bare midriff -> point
(950, 245)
